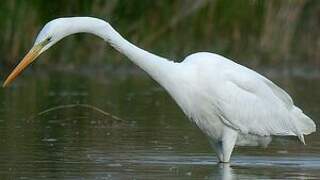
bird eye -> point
(49, 39)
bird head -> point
(50, 34)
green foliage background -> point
(253, 32)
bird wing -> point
(253, 104)
(278, 92)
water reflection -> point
(155, 141)
(254, 167)
(225, 172)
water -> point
(155, 140)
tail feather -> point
(304, 124)
(301, 138)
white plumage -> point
(235, 105)
(230, 103)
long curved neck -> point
(157, 67)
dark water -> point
(155, 140)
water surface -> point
(155, 140)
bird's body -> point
(230, 103)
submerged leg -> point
(224, 147)
(229, 139)
(217, 146)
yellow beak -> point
(29, 58)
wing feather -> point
(253, 104)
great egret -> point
(231, 104)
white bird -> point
(231, 104)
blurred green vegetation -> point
(252, 32)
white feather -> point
(230, 103)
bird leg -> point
(229, 138)
(217, 146)
(225, 145)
